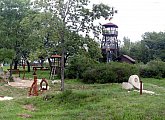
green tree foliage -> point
(6, 55)
(94, 50)
(125, 48)
(132, 49)
(155, 44)
(13, 35)
(78, 45)
(78, 64)
(151, 47)
(41, 30)
(153, 69)
(136, 51)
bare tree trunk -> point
(28, 65)
(62, 58)
(62, 70)
(42, 62)
(49, 62)
(11, 70)
(15, 64)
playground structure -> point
(109, 42)
(55, 65)
(34, 87)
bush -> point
(124, 71)
(110, 73)
(90, 71)
(153, 69)
(77, 65)
(100, 73)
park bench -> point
(37, 67)
(40, 68)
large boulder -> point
(5, 98)
(134, 80)
(127, 86)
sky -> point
(135, 17)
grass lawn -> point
(85, 102)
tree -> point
(7, 56)
(136, 51)
(155, 45)
(13, 35)
(125, 49)
(43, 33)
(93, 49)
(151, 47)
(75, 16)
(76, 44)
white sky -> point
(135, 17)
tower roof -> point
(110, 25)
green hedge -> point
(113, 72)
(77, 65)
(90, 71)
(100, 73)
(153, 69)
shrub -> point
(154, 69)
(100, 73)
(110, 73)
(77, 65)
(91, 71)
(124, 71)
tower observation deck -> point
(109, 42)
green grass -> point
(82, 101)
(87, 102)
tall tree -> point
(152, 46)
(6, 55)
(155, 44)
(125, 48)
(93, 49)
(13, 35)
(135, 51)
(43, 32)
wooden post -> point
(141, 87)
(34, 89)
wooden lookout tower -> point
(109, 43)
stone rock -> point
(146, 91)
(5, 98)
(127, 86)
(134, 80)
(56, 81)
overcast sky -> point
(136, 17)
